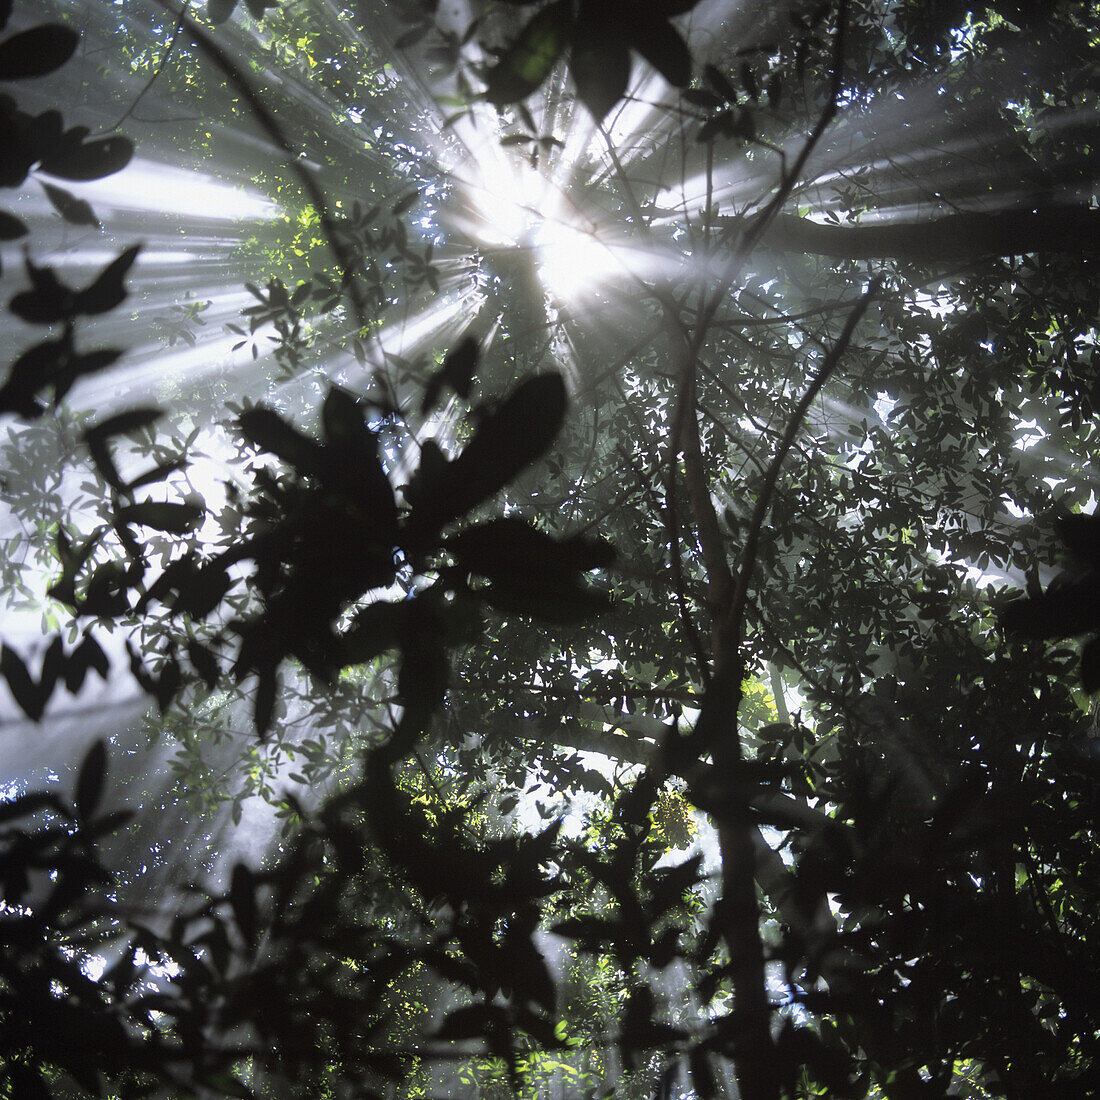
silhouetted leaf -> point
(702, 1074)
(174, 518)
(69, 206)
(204, 663)
(510, 547)
(1080, 532)
(11, 227)
(27, 804)
(80, 161)
(721, 84)
(49, 300)
(218, 11)
(1090, 665)
(471, 1022)
(242, 899)
(661, 45)
(404, 204)
(529, 59)
(700, 97)
(37, 51)
(88, 655)
(263, 704)
(507, 441)
(107, 291)
(90, 781)
(599, 62)
(123, 423)
(457, 372)
(375, 630)
(23, 688)
(1070, 606)
(270, 432)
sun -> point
(510, 203)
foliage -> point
(837, 839)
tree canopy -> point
(544, 544)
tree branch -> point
(1074, 229)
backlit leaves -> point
(599, 35)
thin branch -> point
(731, 627)
(158, 70)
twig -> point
(731, 626)
(158, 70)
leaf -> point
(529, 59)
(91, 780)
(23, 688)
(88, 655)
(26, 804)
(11, 228)
(82, 161)
(204, 663)
(662, 46)
(720, 83)
(509, 546)
(37, 51)
(1090, 666)
(376, 630)
(123, 423)
(263, 705)
(69, 206)
(405, 204)
(174, 518)
(471, 1022)
(242, 900)
(218, 11)
(270, 432)
(599, 62)
(702, 1074)
(507, 441)
(1080, 531)
(457, 372)
(700, 97)
(107, 291)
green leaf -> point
(528, 61)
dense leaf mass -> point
(595, 501)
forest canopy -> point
(549, 549)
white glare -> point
(148, 186)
